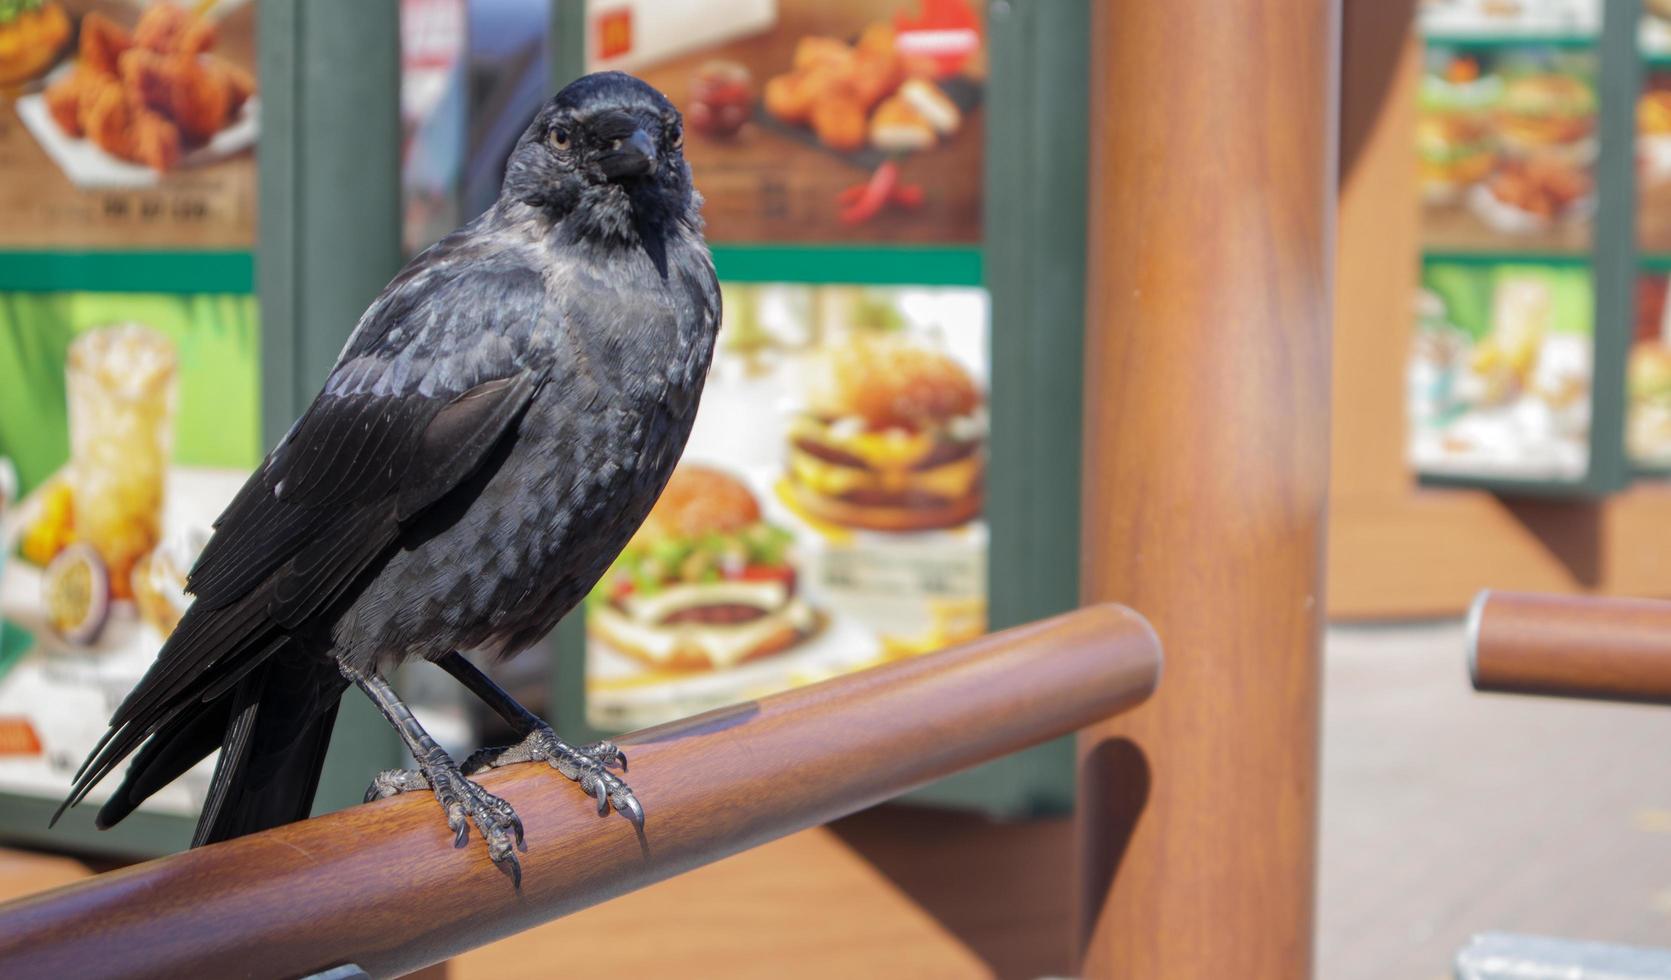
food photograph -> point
(1648, 378)
(818, 122)
(829, 515)
(125, 418)
(138, 124)
(1507, 145)
(1653, 163)
(1500, 373)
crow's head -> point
(605, 157)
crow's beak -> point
(632, 156)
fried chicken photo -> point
(167, 29)
(102, 42)
(239, 83)
(848, 94)
(149, 96)
(65, 98)
(121, 124)
(197, 96)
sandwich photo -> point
(1548, 113)
(1455, 152)
(706, 582)
(893, 438)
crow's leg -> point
(462, 799)
(587, 765)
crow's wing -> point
(437, 373)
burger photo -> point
(706, 582)
(893, 438)
(1548, 113)
(1455, 152)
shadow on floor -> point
(1004, 889)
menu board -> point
(812, 122)
(131, 125)
(1648, 377)
(1501, 377)
(1653, 162)
(130, 378)
(827, 515)
(1507, 144)
(1499, 381)
(1648, 368)
(829, 512)
(127, 421)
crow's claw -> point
(392, 782)
(465, 803)
(587, 765)
(605, 752)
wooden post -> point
(1206, 465)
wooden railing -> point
(1568, 646)
(380, 886)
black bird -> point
(499, 423)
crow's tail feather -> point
(274, 750)
(273, 728)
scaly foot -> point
(587, 765)
(464, 802)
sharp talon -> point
(603, 798)
(516, 824)
(621, 758)
(630, 809)
(371, 793)
(511, 866)
(463, 836)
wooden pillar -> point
(1206, 465)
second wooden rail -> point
(380, 886)
(1571, 646)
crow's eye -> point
(559, 138)
(678, 137)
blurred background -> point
(895, 195)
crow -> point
(499, 423)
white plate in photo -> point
(622, 694)
(1510, 220)
(91, 168)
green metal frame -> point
(330, 240)
(1612, 259)
(1033, 265)
(184, 271)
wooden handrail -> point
(1569, 646)
(380, 886)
